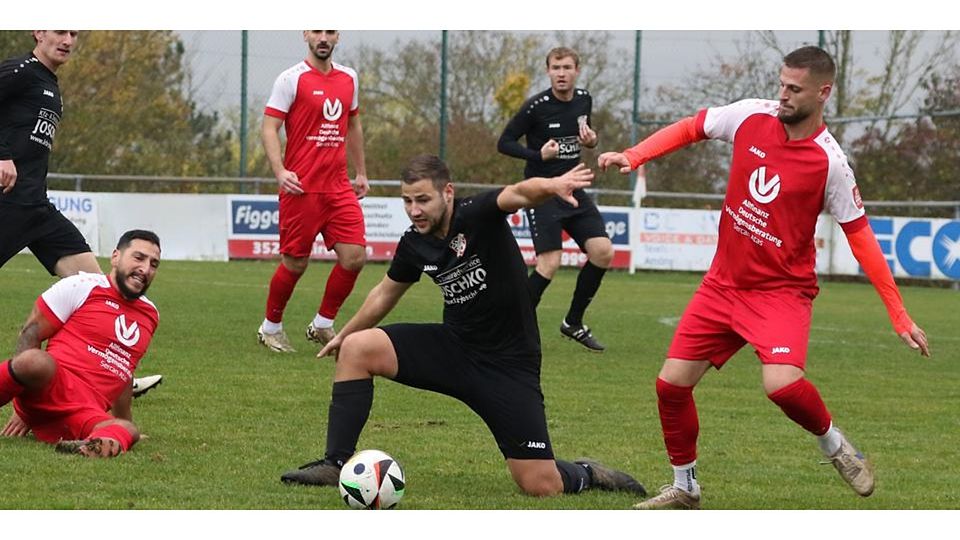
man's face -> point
(801, 94)
(321, 42)
(427, 208)
(55, 46)
(134, 267)
(563, 73)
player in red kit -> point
(786, 169)
(316, 102)
(97, 328)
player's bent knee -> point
(537, 480)
(34, 368)
(368, 352)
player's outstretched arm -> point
(660, 143)
(35, 331)
(380, 301)
(533, 191)
(866, 249)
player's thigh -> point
(705, 330)
(506, 394)
(343, 221)
(299, 224)
(546, 229)
(776, 323)
(60, 248)
(430, 357)
(585, 223)
(16, 230)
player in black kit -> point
(486, 353)
(30, 111)
(556, 124)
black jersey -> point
(30, 110)
(481, 274)
(544, 117)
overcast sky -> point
(667, 57)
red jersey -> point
(315, 107)
(776, 191)
(100, 335)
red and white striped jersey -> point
(100, 335)
(776, 190)
(315, 107)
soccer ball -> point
(371, 480)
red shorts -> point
(65, 409)
(719, 321)
(337, 216)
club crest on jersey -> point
(332, 109)
(128, 335)
(761, 189)
(459, 245)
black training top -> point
(544, 117)
(30, 110)
(481, 274)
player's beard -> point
(435, 225)
(795, 117)
(323, 55)
(126, 291)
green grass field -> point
(232, 416)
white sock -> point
(685, 478)
(830, 441)
(322, 322)
(270, 327)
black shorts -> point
(582, 222)
(504, 391)
(43, 229)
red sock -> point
(281, 288)
(802, 403)
(9, 386)
(116, 432)
(339, 285)
(678, 418)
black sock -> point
(576, 478)
(588, 282)
(537, 284)
(349, 409)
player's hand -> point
(587, 136)
(8, 175)
(360, 185)
(15, 427)
(607, 159)
(288, 182)
(576, 178)
(916, 339)
(332, 348)
(549, 150)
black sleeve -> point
(403, 270)
(519, 126)
(482, 208)
(12, 81)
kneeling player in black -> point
(486, 353)
(556, 124)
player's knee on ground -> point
(537, 479)
(34, 368)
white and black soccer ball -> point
(371, 480)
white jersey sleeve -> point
(356, 84)
(722, 123)
(285, 88)
(67, 295)
(841, 196)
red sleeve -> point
(276, 113)
(867, 251)
(666, 140)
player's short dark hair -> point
(817, 60)
(563, 52)
(137, 234)
(426, 167)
